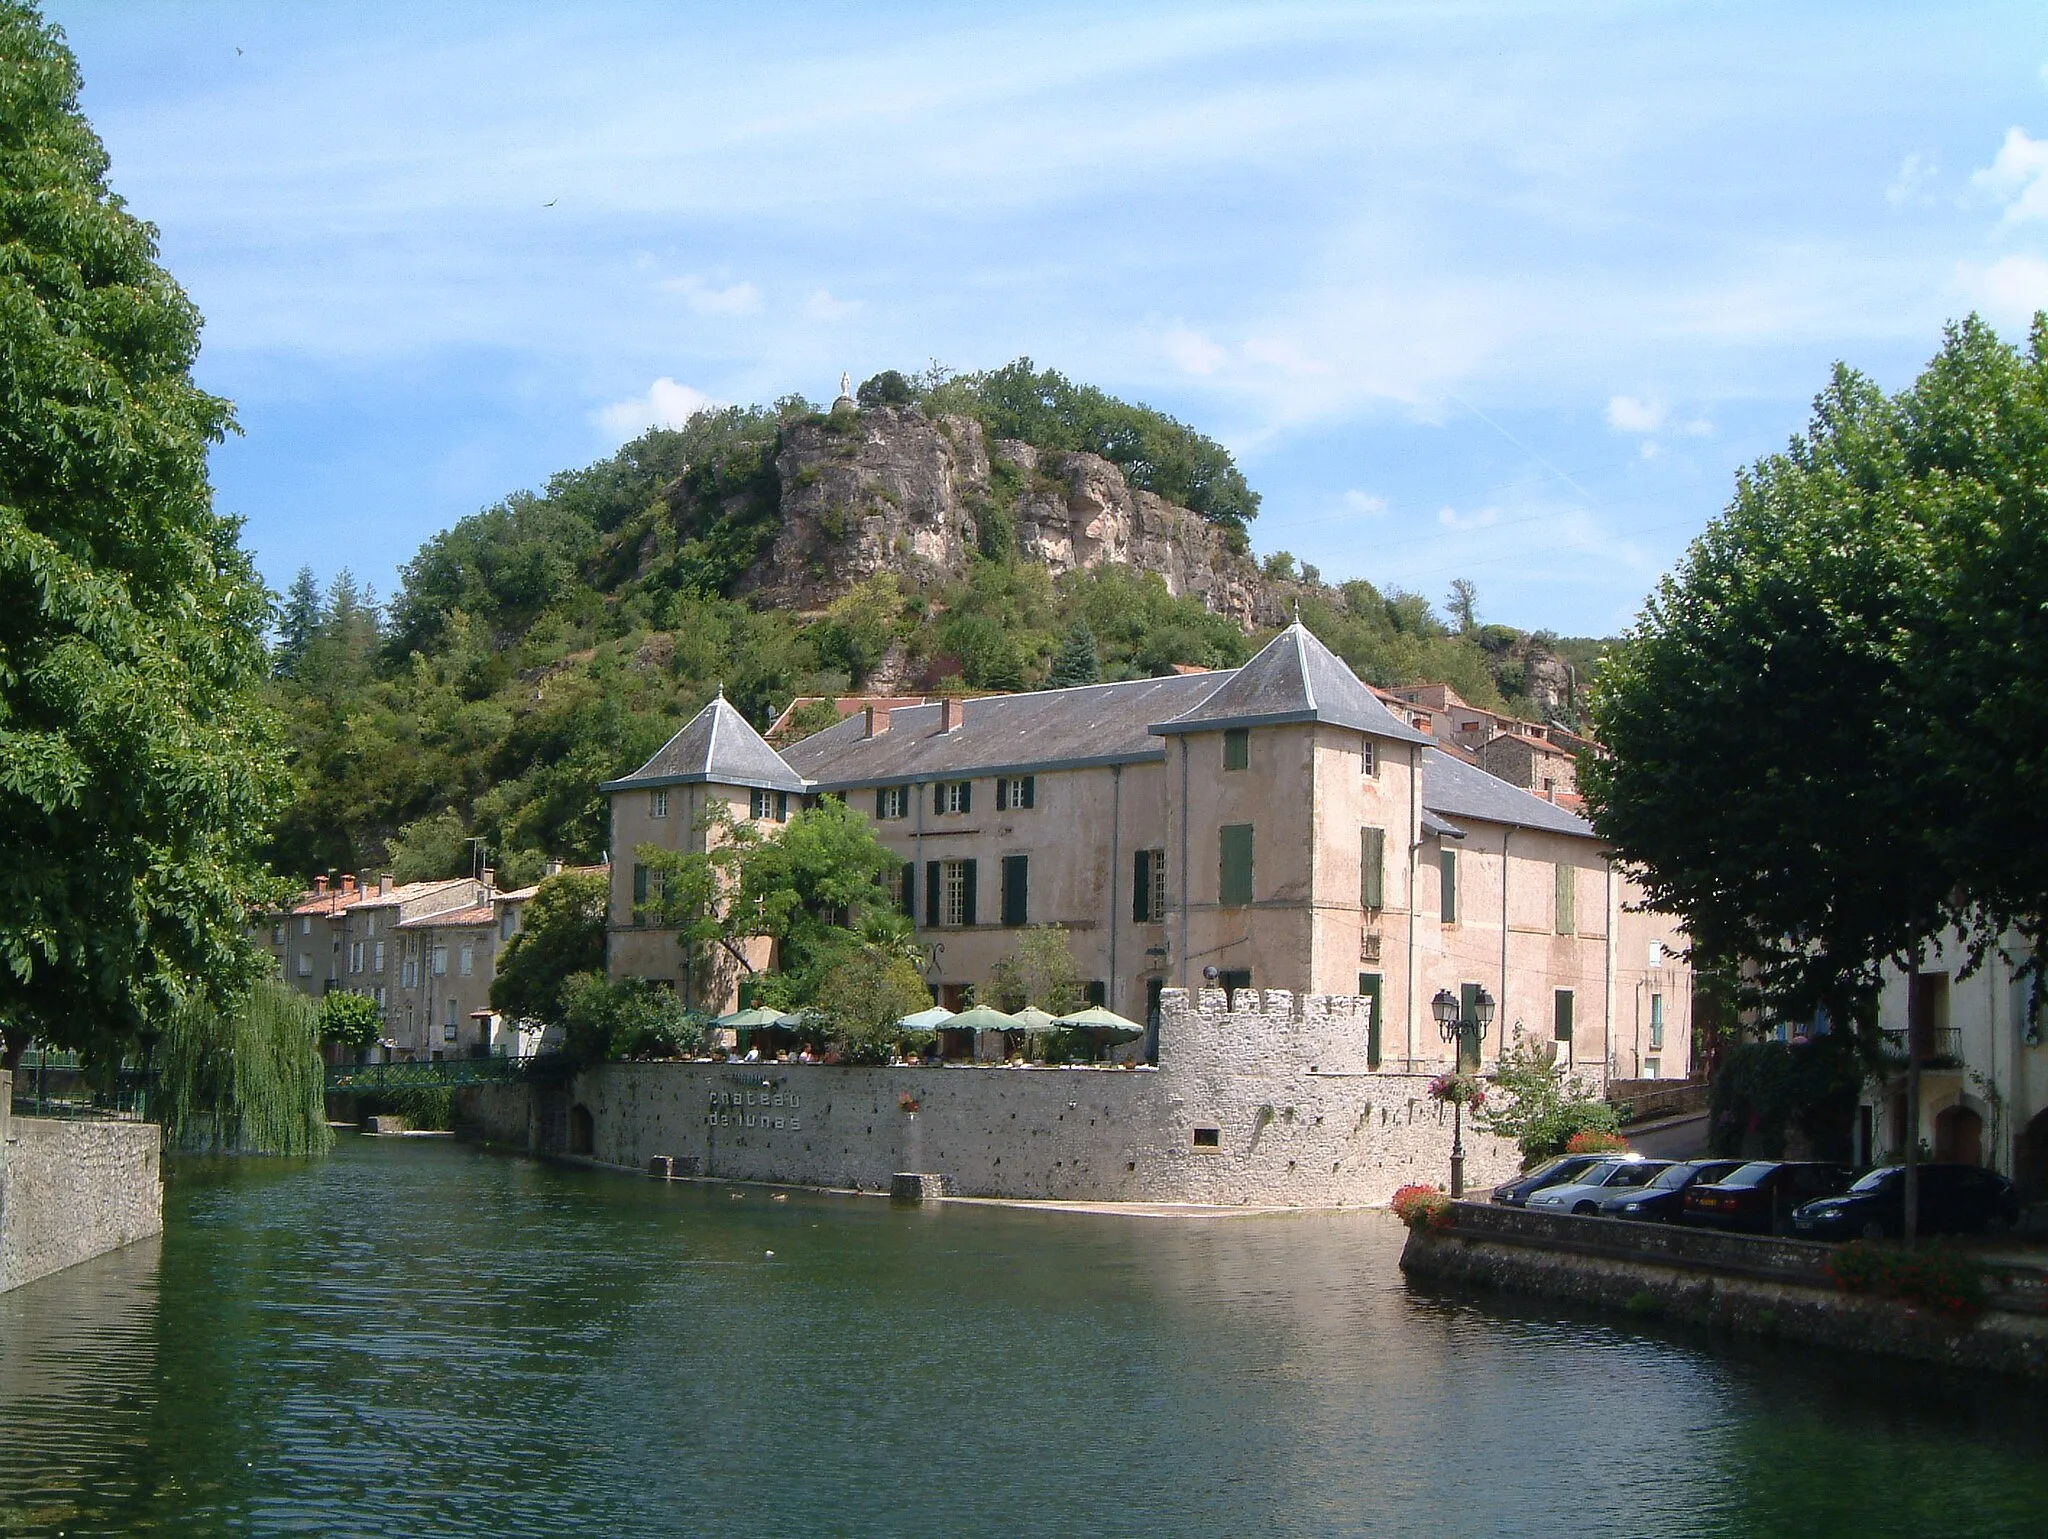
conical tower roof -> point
(1294, 678)
(717, 747)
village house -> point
(1273, 826)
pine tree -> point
(298, 621)
(136, 764)
(1077, 662)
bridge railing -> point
(430, 1074)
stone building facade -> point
(1271, 826)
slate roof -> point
(1046, 729)
(716, 747)
(1454, 790)
(1294, 678)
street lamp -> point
(1453, 1022)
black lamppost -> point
(1452, 1021)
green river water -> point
(421, 1338)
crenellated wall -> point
(1280, 1085)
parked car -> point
(1662, 1199)
(1954, 1199)
(1584, 1193)
(1759, 1197)
(1552, 1172)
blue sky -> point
(1506, 292)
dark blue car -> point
(1954, 1199)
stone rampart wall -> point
(70, 1191)
(1245, 1107)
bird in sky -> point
(551, 203)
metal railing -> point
(429, 1074)
(1940, 1046)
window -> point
(1372, 867)
(1447, 887)
(1208, 1138)
(1656, 1022)
(305, 964)
(1567, 898)
(369, 924)
(378, 995)
(1016, 792)
(949, 796)
(900, 883)
(468, 964)
(649, 882)
(1656, 955)
(657, 803)
(1233, 981)
(1237, 748)
(451, 1017)
(355, 956)
(277, 935)
(1235, 880)
(508, 923)
(949, 892)
(1561, 1007)
(892, 802)
(1370, 990)
(1369, 759)
(1653, 1068)
(438, 960)
(1148, 886)
(377, 957)
(1097, 993)
(770, 804)
(306, 925)
(1016, 888)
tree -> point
(1463, 604)
(1040, 970)
(862, 996)
(561, 934)
(432, 848)
(350, 1020)
(137, 764)
(630, 1018)
(1077, 662)
(1280, 566)
(1540, 1105)
(298, 622)
(887, 388)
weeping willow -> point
(247, 1079)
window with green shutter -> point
(1237, 748)
(1561, 1007)
(1369, 989)
(1148, 886)
(1016, 888)
(1471, 1046)
(1372, 867)
(1447, 887)
(1567, 898)
(1235, 885)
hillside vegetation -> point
(556, 639)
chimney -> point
(319, 886)
(877, 720)
(488, 874)
(348, 883)
(553, 868)
(949, 712)
(384, 885)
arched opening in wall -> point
(582, 1130)
(2030, 1160)
(1959, 1136)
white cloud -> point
(738, 299)
(1482, 518)
(666, 404)
(1194, 352)
(1634, 414)
(2010, 290)
(822, 306)
(1909, 185)
(1364, 504)
(2018, 177)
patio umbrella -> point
(1105, 1025)
(982, 1018)
(1031, 1018)
(759, 1015)
(926, 1020)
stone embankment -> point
(70, 1191)
(1754, 1284)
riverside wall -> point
(1748, 1283)
(1252, 1106)
(70, 1191)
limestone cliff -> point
(888, 489)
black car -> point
(1663, 1199)
(1759, 1197)
(1954, 1199)
(1566, 1167)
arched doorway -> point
(582, 1130)
(2030, 1160)
(1959, 1136)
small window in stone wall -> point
(1208, 1138)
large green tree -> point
(561, 935)
(134, 762)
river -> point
(421, 1338)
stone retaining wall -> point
(1242, 1110)
(1748, 1283)
(70, 1191)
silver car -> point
(1602, 1181)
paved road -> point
(1674, 1138)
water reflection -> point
(419, 1338)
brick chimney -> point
(384, 885)
(348, 884)
(876, 720)
(319, 886)
(949, 712)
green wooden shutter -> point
(966, 796)
(1469, 1045)
(881, 792)
(934, 911)
(1016, 888)
(1235, 883)
(1561, 1015)
(1567, 898)
(1237, 748)
(910, 890)
(639, 882)
(1369, 988)
(1141, 887)
(1002, 793)
(1447, 901)
(938, 797)
(967, 892)
(1372, 867)
(1030, 791)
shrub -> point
(1423, 1207)
(352, 1020)
(1937, 1278)
(1540, 1106)
(1596, 1141)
